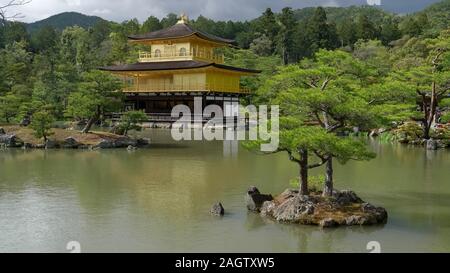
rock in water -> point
(104, 144)
(10, 141)
(27, 146)
(378, 213)
(253, 190)
(131, 148)
(143, 142)
(374, 133)
(217, 209)
(51, 144)
(124, 142)
(2, 131)
(432, 145)
(70, 143)
(328, 223)
(255, 199)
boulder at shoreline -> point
(10, 141)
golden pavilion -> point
(183, 63)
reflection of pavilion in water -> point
(230, 148)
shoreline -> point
(14, 136)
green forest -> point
(396, 66)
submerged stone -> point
(131, 148)
(432, 145)
(255, 199)
(217, 209)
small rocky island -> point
(344, 208)
(22, 137)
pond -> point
(158, 200)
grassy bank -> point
(60, 135)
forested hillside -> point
(64, 20)
(438, 16)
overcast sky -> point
(120, 10)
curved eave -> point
(237, 69)
(230, 43)
(183, 65)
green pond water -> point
(158, 200)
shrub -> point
(408, 132)
(445, 118)
(130, 121)
(41, 123)
(443, 132)
(315, 183)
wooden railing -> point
(161, 117)
(167, 117)
(162, 88)
(145, 56)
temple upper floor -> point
(185, 51)
(180, 59)
(180, 42)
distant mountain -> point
(66, 19)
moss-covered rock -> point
(344, 208)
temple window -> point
(158, 53)
(183, 51)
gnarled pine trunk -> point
(304, 190)
(328, 190)
(91, 122)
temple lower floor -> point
(163, 103)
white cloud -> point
(101, 11)
(72, 3)
(374, 2)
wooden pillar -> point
(137, 85)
